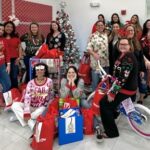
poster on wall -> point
(26, 12)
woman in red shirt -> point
(5, 82)
(15, 51)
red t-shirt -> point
(13, 44)
(4, 52)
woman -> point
(100, 18)
(56, 38)
(136, 48)
(114, 19)
(32, 40)
(15, 51)
(126, 73)
(146, 27)
(113, 40)
(146, 51)
(39, 92)
(98, 50)
(73, 86)
(5, 82)
(135, 21)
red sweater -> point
(13, 45)
(4, 52)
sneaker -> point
(99, 137)
(13, 118)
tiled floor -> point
(14, 137)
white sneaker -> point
(13, 118)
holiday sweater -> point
(58, 41)
(13, 46)
(4, 53)
(99, 44)
(37, 95)
(31, 45)
(73, 91)
(126, 75)
(146, 47)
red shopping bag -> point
(44, 52)
(44, 133)
(53, 53)
(84, 71)
(88, 121)
(16, 95)
(68, 102)
(22, 87)
(53, 108)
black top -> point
(126, 73)
(56, 42)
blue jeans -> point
(96, 77)
(4, 79)
(27, 64)
(14, 73)
(142, 83)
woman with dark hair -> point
(38, 94)
(5, 82)
(56, 38)
(145, 42)
(72, 85)
(114, 19)
(32, 41)
(15, 51)
(146, 28)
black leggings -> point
(107, 110)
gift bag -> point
(88, 121)
(68, 102)
(84, 71)
(44, 133)
(16, 95)
(22, 87)
(53, 107)
(8, 99)
(70, 126)
(44, 52)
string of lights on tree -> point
(72, 54)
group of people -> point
(122, 50)
(13, 50)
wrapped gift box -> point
(70, 126)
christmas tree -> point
(71, 50)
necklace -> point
(40, 80)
